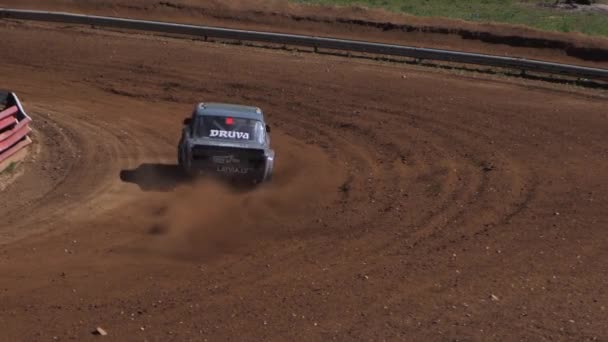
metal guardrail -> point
(311, 41)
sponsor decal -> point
(218, 133)
(225, 160)
(234, 169)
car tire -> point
(268, 174)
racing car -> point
(226, 140)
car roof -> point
(226, 109)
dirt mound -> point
(355, 23)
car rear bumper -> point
(229, 162)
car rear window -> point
(229, 128)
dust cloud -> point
(209, 217)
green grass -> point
(520, 12)
(9, 169)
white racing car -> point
(228, 140)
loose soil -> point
(408, 203)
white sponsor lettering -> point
(229, 134)
(233, 169)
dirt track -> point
(405, 198)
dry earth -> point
(408, 204)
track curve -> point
(404, 198)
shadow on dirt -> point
(155, 177)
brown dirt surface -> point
(408, 203)
(353, 23)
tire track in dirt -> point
(77, 153)
(460, 192)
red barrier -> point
(14, 128)
(6, 154)
(9, 112)
(8, 121)
(14, 138)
